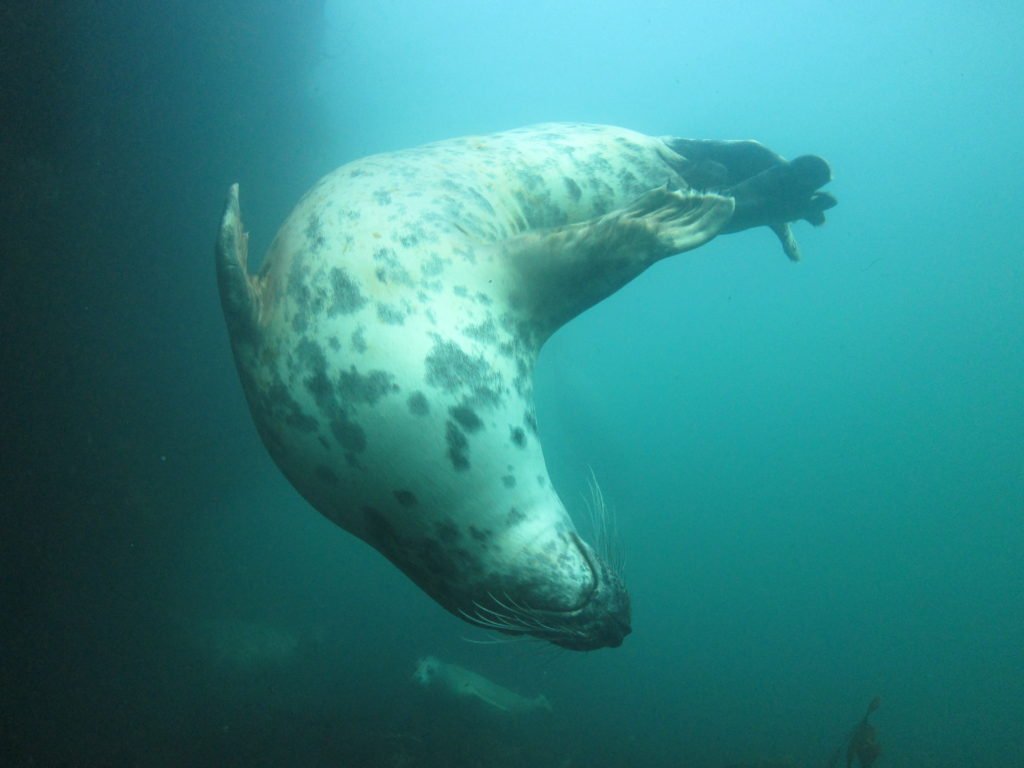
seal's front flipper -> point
(560, 272)
(668, 221)
(488, 700)
(239, 294)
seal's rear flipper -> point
(239, 294)
(785, 192)
(718, 164)
(563, 271)
(769, 190)
(789, 244)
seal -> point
(466, 684)
(387, 344)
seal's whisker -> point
(494, 639)
(516, 618)
(509, 604)
(528, 615)
(501, 626)
(495, 620)
(509, 614)
(603, 526)
(497, 623)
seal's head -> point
(581, 615)
(426, 670)
(605, 618)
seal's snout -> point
(599, 618)
(603, 623)
(616, 629)
(606, 618)
(616, 638)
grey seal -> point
(386, 345)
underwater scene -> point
(487, 384)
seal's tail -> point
(239, 293)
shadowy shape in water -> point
(862, 742)
(464, 683)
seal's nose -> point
(619, 626)
(609, 632)
(619, 633)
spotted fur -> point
(387, 345)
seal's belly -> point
(387, 345)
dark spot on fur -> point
(466, 417)
(573, 189)
(355, 387)
(485, 332)
(458, 446)
(451, 369)
(379, 531)
(523, 381)
(518, 437)
(418, 404)
(406, 498)
(346, 297)
(273, 440)
(334, 343)
(479, 535)
(466, 253)
(530, 420)
(433, 266)
(447, 532)
(514, 516)
(312, 359)
(326, 475)
(306, 300)
(296, 419)
(359, 339)
(315, 232)
(509, 481)
(389, 268)
(277, 401)
(390, 315)
(349, 434)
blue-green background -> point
(817, 468)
